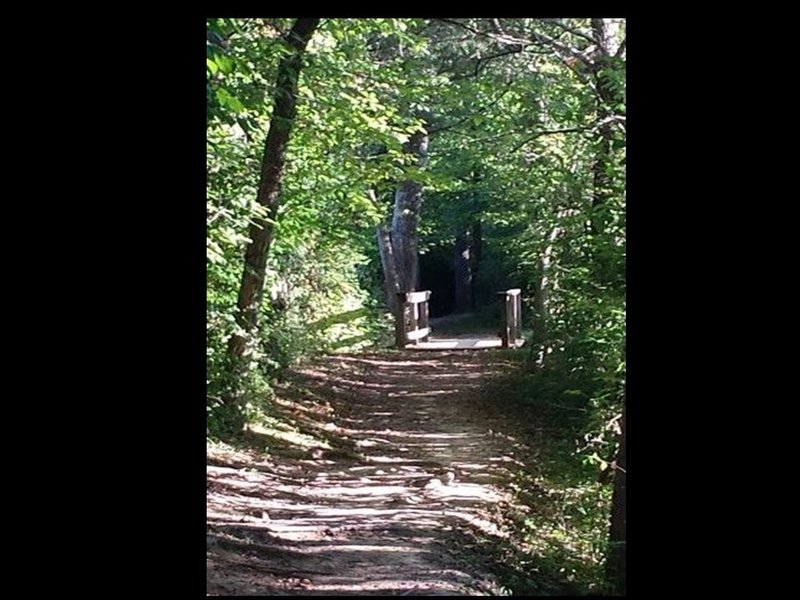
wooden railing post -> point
(424, 318)
(503, 297)
(412, 323)
(512, 319)
(400, 330)
(511, 331)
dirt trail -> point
(428, 470)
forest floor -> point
(398, 478)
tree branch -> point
(503, 39)
(550, 132)
(496, 23)
(546, 39)
(480, 140)
(468, 117)
(570, 29)
(541, 38)
(482, 62)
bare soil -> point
(413, 488)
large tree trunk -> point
(604, 31)
(539, 321)
(608, 98)
(391, 279)
(477, 245)
(616, 559)
(272, 163)
(405, 219)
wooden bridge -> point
(413, 330)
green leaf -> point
(226, 99)
(224, 63)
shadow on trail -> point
(407, 497)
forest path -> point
(407, 503)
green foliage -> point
(326, 221)
(564, 531)
(517, 140)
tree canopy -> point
(488, 152)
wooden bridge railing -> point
(414, 326)
(511, 332)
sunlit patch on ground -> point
(425, 461)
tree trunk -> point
(272, 163)
(475, 256)
(604, 31)
(540, 295)
(391, 279)
(616, 558)
(462, 269)
(539, 322)
(405, 219)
